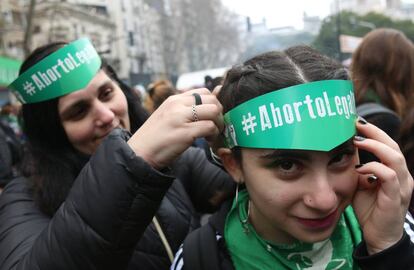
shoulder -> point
(178, 263)
(20, 219)
(16, 190)
(206, 245)
(17, 201)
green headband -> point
(68, 69)
(312, 116)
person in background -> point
(382, 70)
(11, 144)
(105, 186)
(9, 114)
(158, 92)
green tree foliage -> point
(350, 23)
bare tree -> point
(29, 29)
(199, 34)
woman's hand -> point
(172, 128)
(384, 189)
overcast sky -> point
(280, 13)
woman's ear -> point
(231, 165)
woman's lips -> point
(319, 223)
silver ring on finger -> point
(194, 111)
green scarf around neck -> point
(251, 252)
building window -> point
(37, 29)
(131, 38)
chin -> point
(314, 237)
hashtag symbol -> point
(249, 123)
(29, 88)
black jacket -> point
(399, 256)
(103, 223)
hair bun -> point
(237, 72)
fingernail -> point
(358, 166)
(361, 120)
(372, 179)
(359, 138)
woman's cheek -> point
(348, 184)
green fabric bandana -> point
(250, 252)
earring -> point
(237, 193)
(244, 222)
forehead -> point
(297, 152)
(100, 79)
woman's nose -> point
(321, 195)
(103, 115)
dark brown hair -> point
(384, 63)
(276, 70)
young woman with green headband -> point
(92, 189)
(303, 199)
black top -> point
(104, 221)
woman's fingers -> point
(204, 128)
(392, 158)
(173, 127)
(375, 173)
(387, 154)
(217, 90)
(371, 131)
(207, 112)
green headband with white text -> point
(311, 116)
(69, 69)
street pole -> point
(28, 32)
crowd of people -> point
(276, 152)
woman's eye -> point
(286, 165)
(77, 114)
(106, 94)
(338, 158)
(342, 158)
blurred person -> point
(382, 70)
(140, 90)
(303, 200)
(9, 114)
(158, 92)
(94, 196)
(11, 144)
(6, 160)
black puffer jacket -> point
(198, 184)
(103, 223)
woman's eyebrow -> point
(302, 154)
(297, 154)
(104, 85)
(68, 110)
